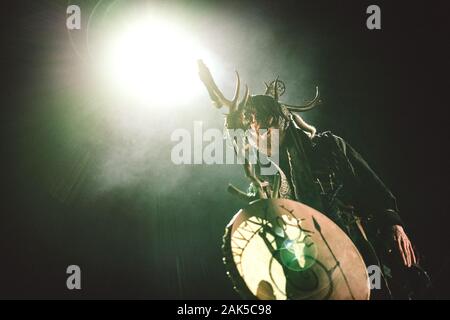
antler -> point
(308, 106)
(215, 94)
(272, 90)
(275, 90)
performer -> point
(323, 171)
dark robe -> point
(327, 174)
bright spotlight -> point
(153, 61)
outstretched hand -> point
(404, 246)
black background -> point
(393, 88)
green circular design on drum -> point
(298, 255)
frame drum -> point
(280, 249)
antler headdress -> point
(276, 89)
(217, 96)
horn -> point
(234, 103)
(308, 106)
(245, 99)
(275, 89)
(267, 88)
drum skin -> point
(280, 249)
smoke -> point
(127, 142)
(136, 147)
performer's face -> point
(264, 130)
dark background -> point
(385, 91)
